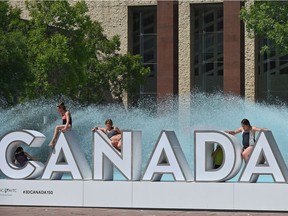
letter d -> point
(204, 142)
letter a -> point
(167, 158)
(67, 157)
(266, 150)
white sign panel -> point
(186, 192)
(41, 193)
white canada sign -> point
(206, 188)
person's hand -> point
(231, 132)
(94, 129)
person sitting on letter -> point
(21, 157)
(113, 133)
(248, 137)
(66, 123)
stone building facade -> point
(193, 44)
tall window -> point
(207, 46)
(143, 41)
(272, 74)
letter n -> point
(105, 156)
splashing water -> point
(182, 115)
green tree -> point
(268, 19)
(14, 68)
(70, 55)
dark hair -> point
(109, 121)
(19, 150)
(246, 122)
(62, 105)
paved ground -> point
(43, 211)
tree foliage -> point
(14, 68)
(268, 19)
(67, 53)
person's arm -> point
(117, 130)
(97, 128)
(29, 156)
(235, 131)
(258, 129)
(94, 129)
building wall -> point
(185, 54)
(113, 15)
(185, 44)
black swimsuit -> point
(64, 120)
(21, 158)
(111, 133)
(245, 139)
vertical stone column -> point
(233, 48)
(184, 48)
(167, 48)
(250, 70)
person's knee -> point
(245, 156)
(58, 126)
(114, 143)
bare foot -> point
(52, 143)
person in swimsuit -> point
(113, 133)
(66, 123)
(21, 157)
(248, 137)
(217, 156)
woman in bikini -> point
(248, 137)
(113, 133)
(66, 123)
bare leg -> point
(116, 142)
(57, 130)
(246, 153)
(119, 145)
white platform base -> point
(160, 195)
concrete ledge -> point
(116, 194)
(160, 195)
(41, 193)
(182, 195)
(261, 196)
